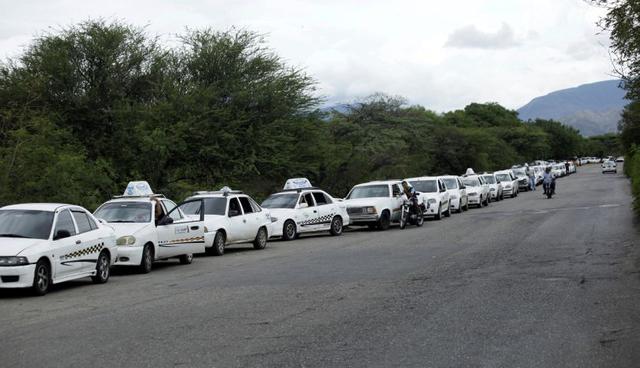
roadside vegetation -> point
(622, 21)
(86, 109)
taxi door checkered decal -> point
(168, 243)
(94, 249)
(318, 220)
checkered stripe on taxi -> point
(195, 239)
(83, 252)
(318, 220)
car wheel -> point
(385, 221)
(146, 263)
(186, 259)
(466, 205)
(102, 269)
(289, 230)
(438, 215)
(336, 226)
(448, 212)
(260, 241)
(217, 248)
(41, 278)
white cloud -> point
(355, 48)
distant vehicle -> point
(620, 159)
(458, 199)
(477, 190)
(509, 182)
(47, 243)
(375, 204)
(141, 239)
(609, 167)
(305, 209)
(496, 191)
(523, 179)
(433, 193)
(230, 217)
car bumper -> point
(362, 219)
(129, 255)
(454, 204)
(493, 194)
(17, 276)
(431, 211)
(507, 191)
(474, 200)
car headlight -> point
(431, 201)
(126, 240)
(13, 261)
(473, 194)
(493, 189)
(370, 210)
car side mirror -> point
(303, 205)
(61, 234)
(234, 213)
(498, 181)
(166, 220)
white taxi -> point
(458, 198)
(231, 217)
(47, 243)
(496, 191)
(375, 204)
(509, 182)
(433, 193)
(142, 235)
(477, 190)
(301, 208)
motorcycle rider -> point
(411, 195)
(548, 180)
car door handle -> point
(195, 227)
(245, 221)
(314, 211)
(78, 241)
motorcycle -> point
(549, 189)
(412, 212)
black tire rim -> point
(290, 230)
(188, 258)
(42, 277)
(103, 267)
(337, 226)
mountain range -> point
(592, 108)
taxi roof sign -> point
(138, 189)
(297, 183)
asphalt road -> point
(526, 282)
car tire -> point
(217, 248)
(146, 263)
(336, 226)
(260, 242)
(448, 212)
(41, 278)
(466, 206)
(438, 215)
(385, 221)
(289, 230)
(186, 259)
(102, 269)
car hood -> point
(361, 202)
(14, 246)
(127, 228)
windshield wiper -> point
(120, 221)
(14, 236)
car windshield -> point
(25, 224)
(425, 186)
(125, 212)
(287, 200)
(471, 182)
(503, 177)
(520, 172)
(369, 191)
(489, 179)
(450, 183)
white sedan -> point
(477, 190)
(433, 193)
(142, 239)
(230, 217)
(458, 198)
(305, 210)
(47, 243)
(496, 191)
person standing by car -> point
(532, 177)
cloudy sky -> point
(440, 54)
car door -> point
(238, 228)
(462, 190)
(326, 210)
(396, 201)
(179, 234)
(444, 196)
(308, 212)
(67, 246)
(90, 241)
(253, 222)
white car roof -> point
(379, 182)
(449, 177)
(132, 199)
(51, 207)
(423, 178)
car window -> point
(234, 205)
(320, 198)
(254, 205)
(246, 206)
(82, 220)
(168, 204)
(65, 222)
(396, 190)
(308, 199)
